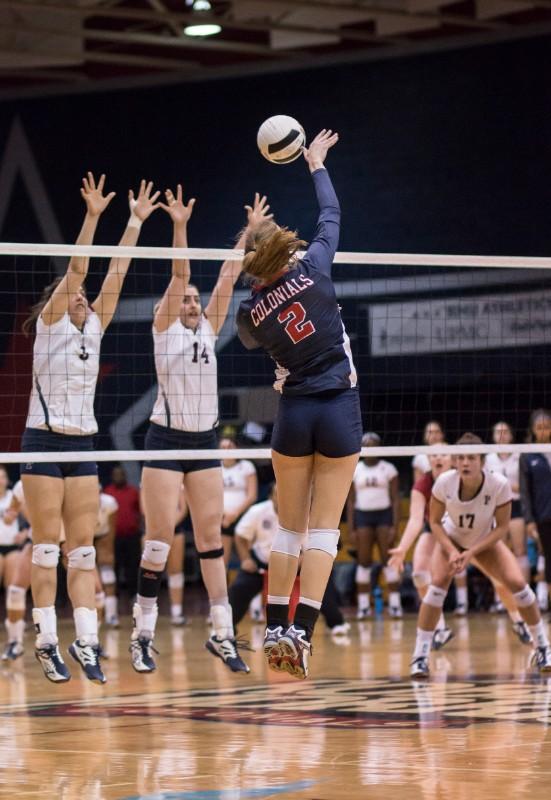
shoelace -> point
(243, 644)
(88, 654)
(143, 644)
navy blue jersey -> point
(296, 319)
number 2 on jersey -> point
(204, 354)
(297, 327)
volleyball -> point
(280, 139)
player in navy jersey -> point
(293, 314)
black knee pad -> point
(218, 553)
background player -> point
(293, 314)
(470, 512)
(240, 492)
(374, 514)
(104, 542)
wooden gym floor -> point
(358, 728)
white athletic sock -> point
(15, 630)
(222, 619)
(423, 643)
(86, 624)
(539, 634)
(394, 600)
(176, 610)
(461, 595)
(111, 606)
(363, 600)
(441, 624)
(45, 621)
(145, 614)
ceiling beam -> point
(153, 62)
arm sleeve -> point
(246, 526)
(322, 249)
(243, 331)
(525, 490)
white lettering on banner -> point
(486, 322)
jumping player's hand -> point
(93, 196)
(175, 208)
(145, 203)
(258, 212)
(396, 560)
(315, 154)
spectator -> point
(128, 533)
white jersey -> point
(468, 521)
(235, 484)
(107, 507)
(505, 466)
(185, 360)
(372, 485)
(421, 462)
(259, 525)
(65, 372)
(7, 532)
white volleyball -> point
(280, 139)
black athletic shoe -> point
(295, 650)
(523, 632)
(141, 650)
(226, 649)
(88, 656)
(420, 667)
(541, 658)
(51, 662)
(441, 638)
(12, 651)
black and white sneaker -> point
(441, 638)
(51, 662)
(12, 651)
(88, 656)
(226, 649)
(295, 650)
(541, 658)
(141, 650)
(521, 630)
(420, 667)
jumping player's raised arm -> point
(321, 251)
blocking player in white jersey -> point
(373, 511)
(470, 512)
(185, 415)
(104, 542)
(68, 332)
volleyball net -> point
(461, 339)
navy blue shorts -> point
(372, 519)
(158, 437)
(329, 423)
(35, 440)
(516, 509)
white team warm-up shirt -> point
(259, 525)
(65, 373)
(185, 360)
(7, 532)
(107, 507)
(466, 522)
(505, 466)
(372, 485)
(235, 484)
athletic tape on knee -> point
(391, 575)
(525, 597)
(176, 581)
(435, 597)
(288, 542)
(363, 574)
(323, 539)
(218, 552)
(45, 555)
(155, 552)
(421, 578)
(107, 575)
(82, 558)
(541, 564)
(16, 598)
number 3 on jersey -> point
(297, 327)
